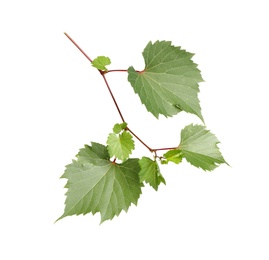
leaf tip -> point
(61, 217)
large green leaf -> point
(150, 172)
(97, 185)
(199, 147)
(169, 82)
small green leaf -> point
(174, 156)
(121, 145)
(123, 125)
(150, 172)
(199, 147)
(101, 62)
(119, 127)
(100, 186)
(169, 82)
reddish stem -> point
(115, 102)
(114, 161)
(128, 129)
(78, 47)
(101, 72)
(117, 71)
(160, 149)
(122, 71)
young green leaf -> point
(100, 186)
(121, 145)
(199, 147)
(174, 156)
(119, 127)
(101, 62)
(150, 172)
(169, 82)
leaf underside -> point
(174, 156)
(169, 82)
(97, 185)
(150, 172)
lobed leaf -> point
(121, 145)
(101, 62)
(199, 147)
(150, 172)
(100, 186)
(169, 82)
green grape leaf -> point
(100, 186)
(174, 156)
(101, 62)
(169, 82)
(150, 172)
(93, 154)
(199, 147)
(119, 127)
(121, 145)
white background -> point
(52, 102)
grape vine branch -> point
(104, 178)
(115, 102)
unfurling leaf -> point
(101, 62)
(169, 82)
(174, 156)
(150, 172)
(119, 127)
(97, 185)
(199, 147)
(121, 145)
